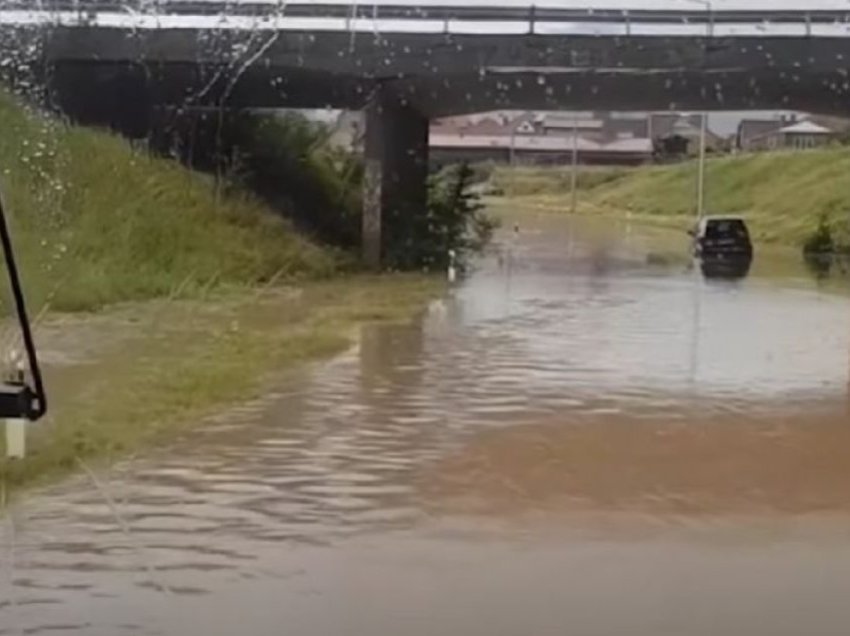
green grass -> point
(189, 359)
(209, 291)
(781, 194)
(530, 181)
(96, 221)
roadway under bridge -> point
(406, 63)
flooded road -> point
(584, 437)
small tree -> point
(820, 241)
(454, 221)
(287, 162)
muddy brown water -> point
(584, 437)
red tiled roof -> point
(540, 143)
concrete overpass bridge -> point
(407, 61)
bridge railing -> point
(530, 19)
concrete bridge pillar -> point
(396, 170)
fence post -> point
(16, 438)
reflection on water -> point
(584, 434)
(725, 268)
(823, 266)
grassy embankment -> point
(96, 223)
(782, 194)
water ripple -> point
(341, 452)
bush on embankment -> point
(454, 222)
(287, 160)
(96, 221)
(284, 159)
(783, 195)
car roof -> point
(723, 218)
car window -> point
(727, 228)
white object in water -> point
(437, 309)
(16, 438)
(452, 272)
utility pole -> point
(649, 132)
(574, 172)
(704, 119)
(701, 176)
(512, 157)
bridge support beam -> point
(396, 171)
(117, 96)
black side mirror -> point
(692, 231)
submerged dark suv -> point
(721, 238)
(722, 246)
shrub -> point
(820, 241)
(454, 221)
(286, 160)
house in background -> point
(789, 133)
(536, 150)
(547, 137)
(610, 138)
(804, 134)
(554, 124)
(753, 134)
(678, 136)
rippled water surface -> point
(584, 437)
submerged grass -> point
(783, 195)
(230, 290)
(523, 181)
(197, 358)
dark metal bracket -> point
(17, 398)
